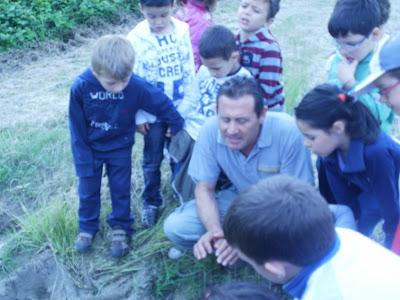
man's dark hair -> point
(384, 6)
(354, 16)
(280, 218)
(239, 86)
(239, 290)
(156, 3)
(217, 41)
(274, 6)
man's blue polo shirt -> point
(279, 150)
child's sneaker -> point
(150, 215)
(83, 242)
(176, 253)
(119, 243)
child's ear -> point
(339, 127)
(377, 33)
(270, 21)
(235, 55)
(276, 268)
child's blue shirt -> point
(102, 123)
(367, 177)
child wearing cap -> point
(385, 75)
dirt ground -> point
(34, 88)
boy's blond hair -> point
(113, 56)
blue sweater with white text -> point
(102, 123)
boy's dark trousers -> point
(118, 171)
(154, 142)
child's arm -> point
(270, 75)
(81, 151)
(157, 103)
(188, 67)
(384, 189)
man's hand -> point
(143, 128)
(226, 255)
(346, 72)
(205, 245)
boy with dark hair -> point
(165, 59)
(356, 27)
(103, 102)
(259, 50)
(220, 61)
(283, 228)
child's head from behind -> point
(329, 119)
(298, 229)
(112, 62)
(158, 14)
(255, 14)
(239, 290)
(218, 51)
(355, 26)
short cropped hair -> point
(274, 6)
(354, 16)
(113, 56)
(156, 3)
(217, 41)
(384, 6)
(239, 290)
(239, 86)
(281, 218)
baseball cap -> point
(385, 60)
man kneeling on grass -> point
(284, 229)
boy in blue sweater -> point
(103, 102)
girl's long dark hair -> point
(327, 103)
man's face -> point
(159, 18)
(355, 46)
(253, 15)
(238, 122)
(389, 88)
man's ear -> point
(276, 268)
(339, 127)
(263, 114)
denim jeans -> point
(118, 171)
(154, 142)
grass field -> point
(38, 200)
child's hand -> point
(168, 133)
(143, 128)
(346, 72)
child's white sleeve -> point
(144, 117)
(189, 96)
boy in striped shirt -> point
(260, 52)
